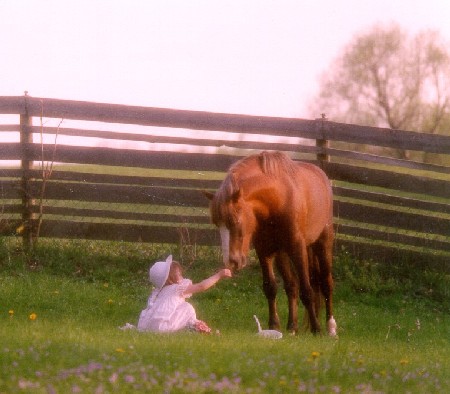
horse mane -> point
(272, 164)
(275, 164)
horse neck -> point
(264, 194)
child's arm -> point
(207, 283)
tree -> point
(389, 78)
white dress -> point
(167, 309)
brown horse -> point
(285, 209)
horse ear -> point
(208, 194)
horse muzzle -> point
(232, 259)
(236, 263)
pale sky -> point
(255, 57)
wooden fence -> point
(385, 207)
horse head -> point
(237, 223)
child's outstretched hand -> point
(225, 273)
(209, 282)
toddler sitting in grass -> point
(167, 309)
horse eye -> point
(236, 219)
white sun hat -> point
(159, 272)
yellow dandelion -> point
(110, 301)
(11, 312)
(404, 361)
(120, 350)
(314, 355)
(33, 316)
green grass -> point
(394, 328)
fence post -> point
(321, 143)
(26, 139)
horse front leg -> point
(270, 289)
(290, 281)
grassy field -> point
(60, 309)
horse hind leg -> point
(301, 259)
(307, 297)
(313, 266)
(314, 278)
(290, 281)
(323, 249)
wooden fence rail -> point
(148, 186)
